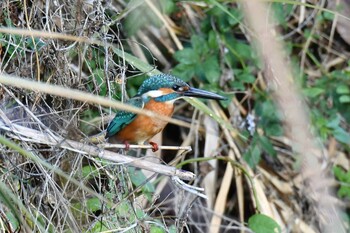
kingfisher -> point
(158, 94)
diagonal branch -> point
(32, 135)
(82, 96)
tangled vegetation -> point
(62, 62)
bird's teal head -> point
(165, 87)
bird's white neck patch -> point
(153, 94)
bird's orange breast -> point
(143, 128)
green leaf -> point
(98, 74)
(339, 173)
(199, 45)
(99, 226)
(332, 123)
(168, 6)
(344, 99)
(89, 171)
(343, 89)
(93, 204)
(38, 43)
(313, 92)
(140, 214)
(237, 13)
(185, 72)
(211, 69)
(237, 85)
(341, 135)
(213, 40)
(187, 56)
(157, 229)
(261, 223)
(234, 16)
(344, 178)
(253, 156)
(247, 77)
(328, 15)
(13, 220)
(267, 146)
(269, 117)
(138, 178)
(344, 191)
(244, 50)
(125, 210)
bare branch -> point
(32, 135)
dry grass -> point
(54, 180)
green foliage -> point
(344, 178)
(337, 131)
(313, 92)
(13, 221)
(260, 223)
(269, 119)
(123, 213)
(253, 155)
(329, 98)
(258, 145)
(207, 53)
(97, 80)
(282, 13)
(220, 46)
(18, 45)
(89, 171)
(344, 92)
(199, 61)
(327, 16)
(225, 18)
(217, 47)
(139, 179)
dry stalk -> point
(82, 96)
(294, 110)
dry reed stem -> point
(165, 22)
(210, 148)
(294, 110)
(81, 96)
(221, 200)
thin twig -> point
(123, 146)
(189, 188)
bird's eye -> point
(176, 87)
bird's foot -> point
(127, 146)
(154, 146)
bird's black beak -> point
(194, 92)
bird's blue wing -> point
(123, 118)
